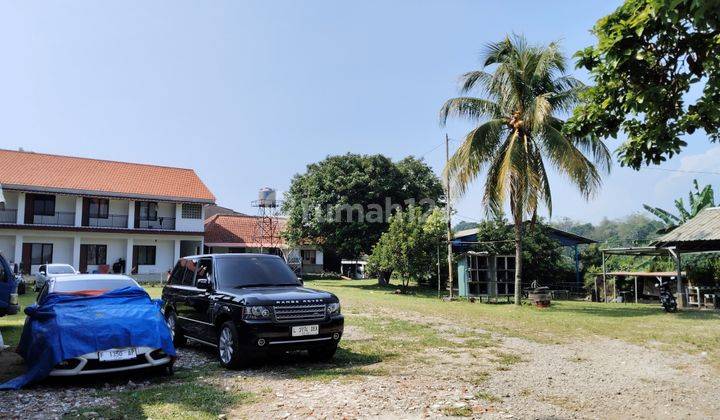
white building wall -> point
(11, 199)
(118, 207)
(7, 247)
(63, 247)
(189, 225)
(164, 255)
(65, 203)
(62, 252)
(166, 209)
(115, 249)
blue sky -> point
(248, 93)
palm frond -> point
(569, 160)
(470, 80)
(474, 152)
(473, 109)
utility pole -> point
(447, 209)
(438, 271)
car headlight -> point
(256, 312)
(333, 308)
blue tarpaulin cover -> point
(63, 326)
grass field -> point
(404, 323)
(692, 331)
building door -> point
(26, 258)
(83, 259)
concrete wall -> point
(164, 255)
(65, 203)
(189, 225)
(7, 247)
(119, 207)
(166, 210)
(115, 249)
(11, 199)
(64, 246)
(62, 249)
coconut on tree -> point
(524, 90)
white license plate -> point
(117, 354)
(305, 330)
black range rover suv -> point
(248, 305)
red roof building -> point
(98, 215)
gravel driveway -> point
(593, 378)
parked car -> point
(8, 289)
(48, 271)
(91, 324)
(247, 305)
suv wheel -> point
(178, 338)
(323, 354)
(229, 347)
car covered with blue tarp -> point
(89, 324)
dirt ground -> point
(512, 378)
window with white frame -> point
(191, 211)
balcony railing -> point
(162, 223)
(8, 216)
(61, 218)
(112, 221)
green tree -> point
(519, 131)
(649, 55)
(464, 225)
(408, 250)
(343, 202)
(698, 200)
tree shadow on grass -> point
(347, 363)
(192, 399)
(618, 311)
(420, 291)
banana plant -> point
(699, 199)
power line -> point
(473, 219)
(442, 143)
(685, 171)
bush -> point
(322, 276)
(703, 270)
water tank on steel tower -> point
(267, 197)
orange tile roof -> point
(238, 230)
(55, 173)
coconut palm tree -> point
(523, 90)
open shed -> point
(701, 234)
(464, 239)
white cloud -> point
(708, 161)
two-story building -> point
(98, 215)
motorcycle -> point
(667, 299)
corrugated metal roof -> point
(703, 227)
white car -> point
(48, 271)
